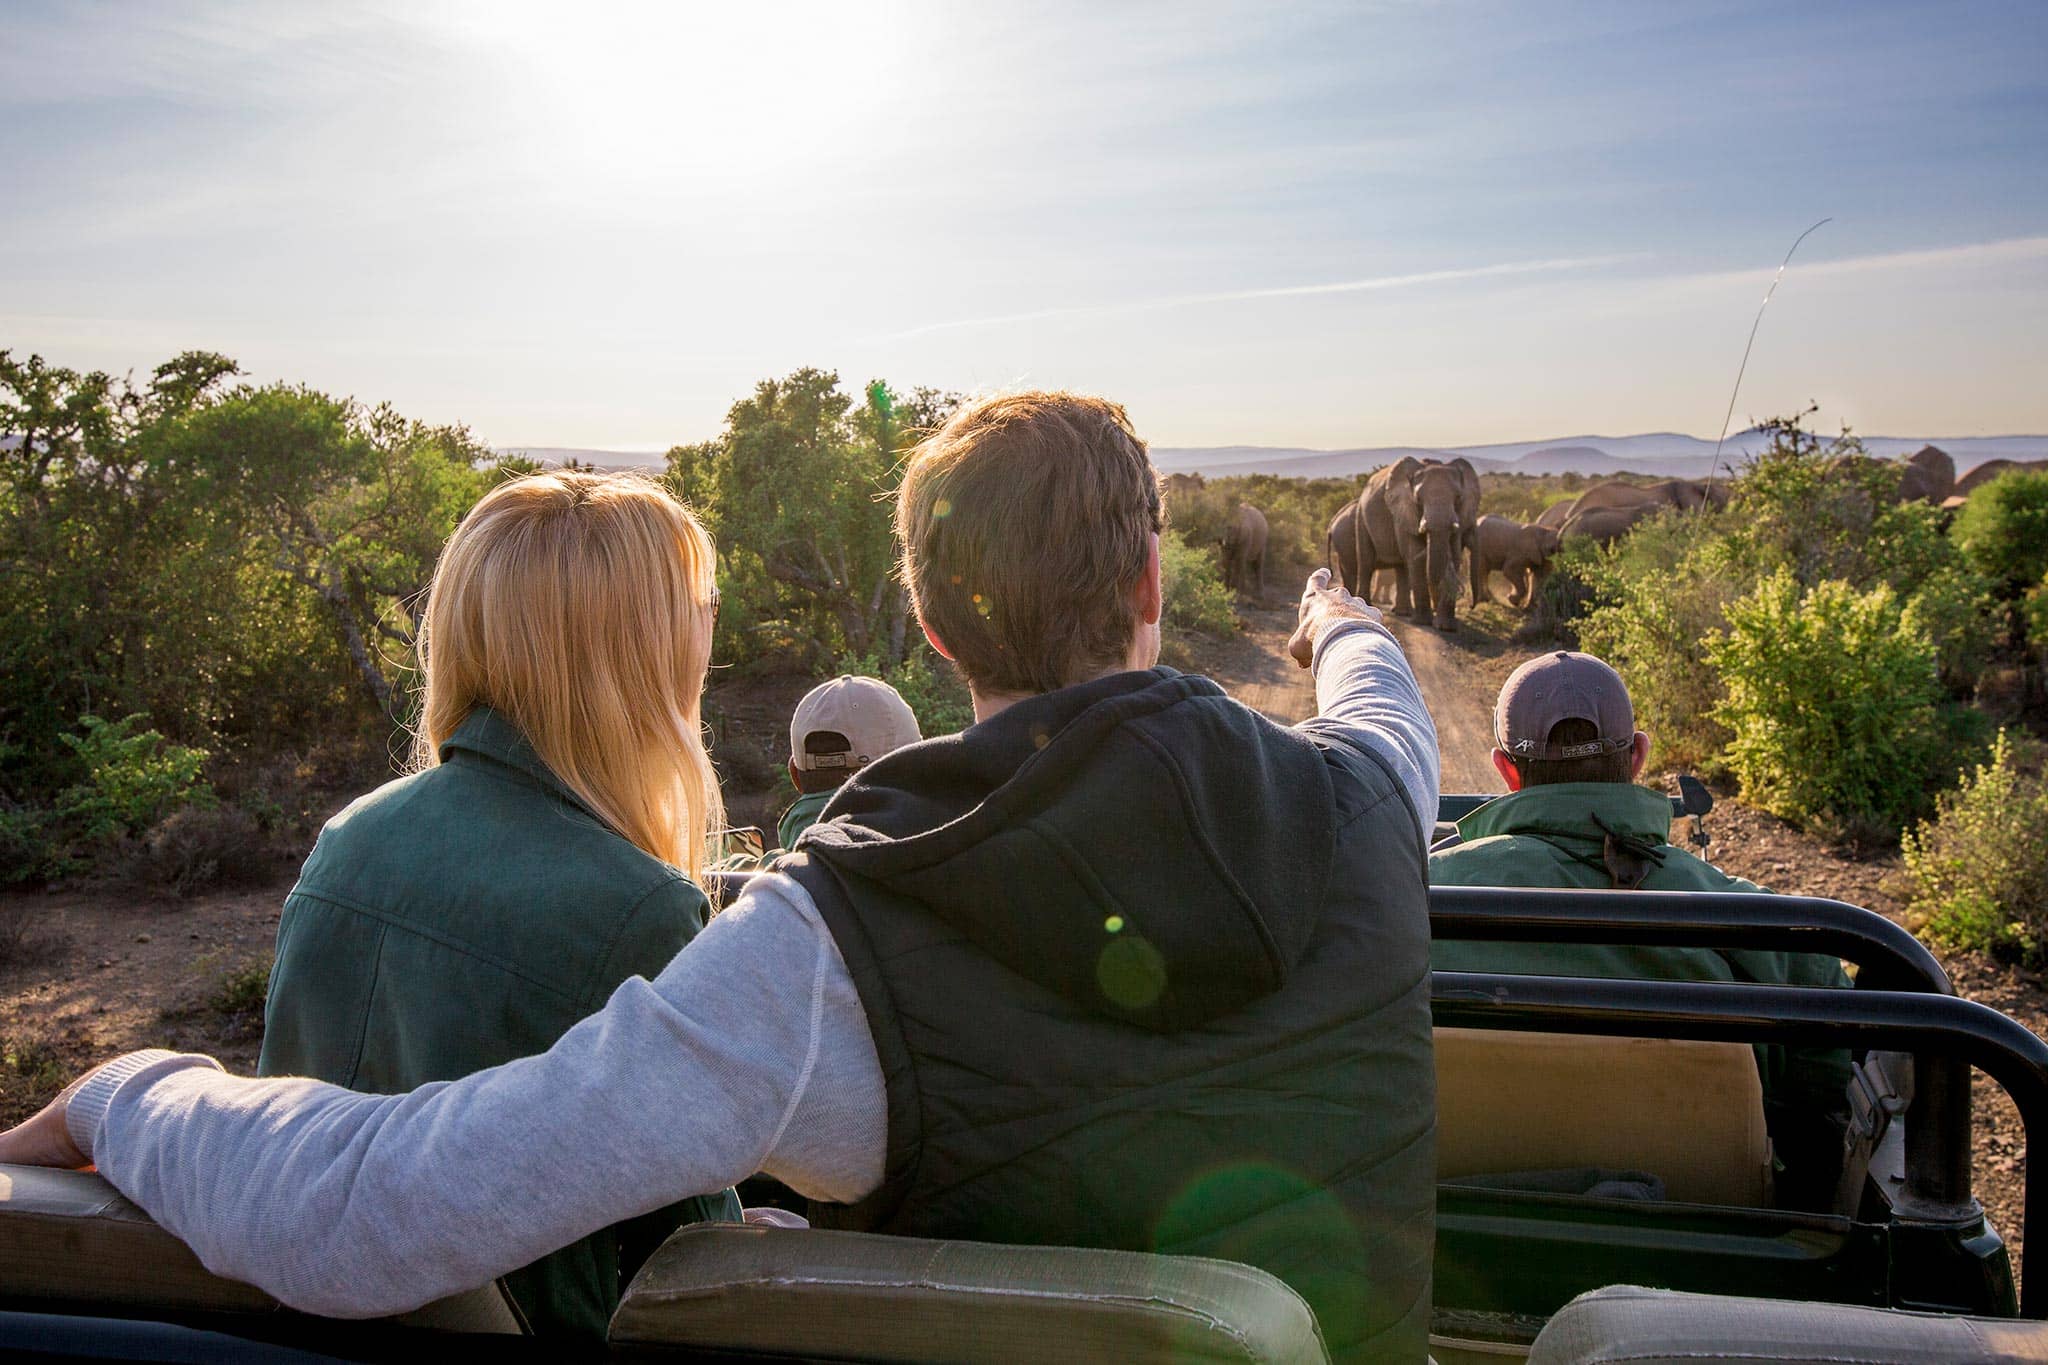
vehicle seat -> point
(1690, 1113)
(70, 1237)
(1654, 1326)
(822, 1294)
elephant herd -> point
(1419, 520)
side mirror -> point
(1693, 795)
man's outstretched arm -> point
(1365, 691)
(749, 1052)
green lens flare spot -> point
(1114, 924)
(1131, 973)
(942, 509)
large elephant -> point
(1555, 515)
(1929, 476)
(1244, 551)
(1340, 548)
(1521, 554)
(1688, 495)
(1991, 469)
(1182, 485)
(1608, 524)
(1418, 518)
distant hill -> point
(603, 459)
(1664, 454)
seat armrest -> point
(831, 1295)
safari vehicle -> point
(1546, 1072)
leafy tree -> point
(798, 490)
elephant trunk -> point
(1440, 571)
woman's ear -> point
(935, 642)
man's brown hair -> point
(1618, 766)
(1025, 522)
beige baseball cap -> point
(848, 723)
(1563, 686)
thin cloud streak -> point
(1425, 277)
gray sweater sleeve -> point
(750, 1052)
(1367, 694)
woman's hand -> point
(45, 1140)
(1322, 604)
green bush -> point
(1978, 871)
(1831, 703)
(1661, 594)
(1196, 599)
(1952, 608)
(2003, 531)
(133, 778)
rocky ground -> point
(86, 973)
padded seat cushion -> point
(1654, 1326)
(850, 1295)
(1690, 1113)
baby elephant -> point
(1521, 554)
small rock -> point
(106, 962)
(142, 938)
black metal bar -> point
(1887, 957)
(1925, 1024)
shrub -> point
(29, 850)
(1978, 871)
(26, 943)
(193, 850)
(1661, 594)
(1952, 608)
(2003, 531)
(133, 778)
(1831, 703)
(1196, 599)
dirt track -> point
(1458, 673)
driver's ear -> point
(1638, 755)
(1505, 766)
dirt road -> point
(1459, 674)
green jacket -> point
(463, 917)
(801, 817)
(1546, 837)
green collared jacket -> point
(1547, 837)
(463, 917)
(802, 816)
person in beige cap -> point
(1567, 746)
(839, 728)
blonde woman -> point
(544, 849)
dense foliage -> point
(1978, 871)
(1819, 639)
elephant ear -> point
(1468, 490)
(1402, 499)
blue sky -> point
(1355, 224)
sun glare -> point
(629, 92)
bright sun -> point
(627, 91)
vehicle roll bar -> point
(1926, 1024)
(1886, 956)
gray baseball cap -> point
(848, 723)
(1563, 686)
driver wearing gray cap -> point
(1567, 746)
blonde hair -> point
(578, 606)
